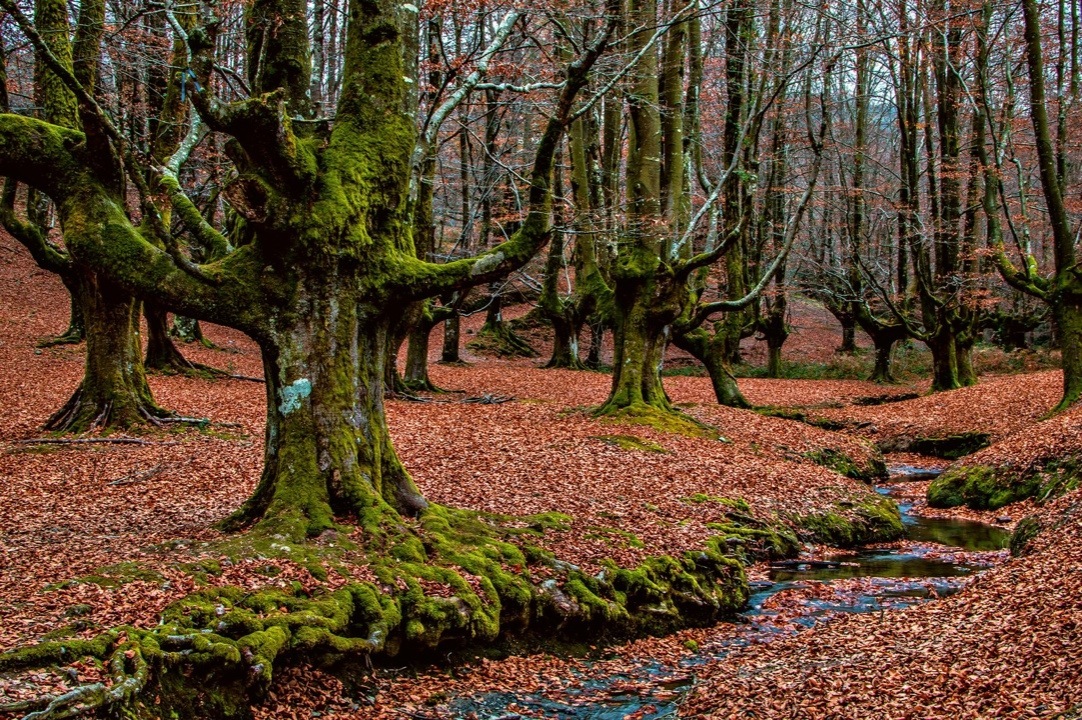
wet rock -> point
(1003, 519)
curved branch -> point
(420, 279)
(97, 230)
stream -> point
(936, 560)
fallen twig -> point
(248, 378)
(133, 478)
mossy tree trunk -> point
(328, 450)
(849, 334)
(452, 333)
(709, 349)
(329, 264)
(114, 390)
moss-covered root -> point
(500, 339)
(855, 522)
(983, 487)
(453, 578)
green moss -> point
(112, 576)
(983, 487)
(843, 464)
(1027, 529)
(848, 523)
(738, 504)
(670, 421)
(631, 442)
(950, 447)
(628, 539)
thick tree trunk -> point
(565, 341)
(636, 376)
(114, 390)
(773, 360)
(416, 374)
(963, 350)
(328, 450)
(944, 361)
(849, 334)
(884, 347)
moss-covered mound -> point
(853, 522)
(873, 468)
(984, 487)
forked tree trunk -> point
(710, 351)
(114, 390)
(328, 450)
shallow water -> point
(897, 577)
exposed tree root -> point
(455, 578)
(500, 339)
(73, 336)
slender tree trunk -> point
(452, 327)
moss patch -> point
(983, 487)
(843, 464)
(948, 447)
(631, 442)
(671, 421)
(857, 522)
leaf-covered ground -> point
(72, 509)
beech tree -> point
(326, 260)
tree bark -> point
(328, 449)
(114, 390)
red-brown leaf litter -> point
(1008, 645)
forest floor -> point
(1008, 645)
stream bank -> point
(939, 557)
